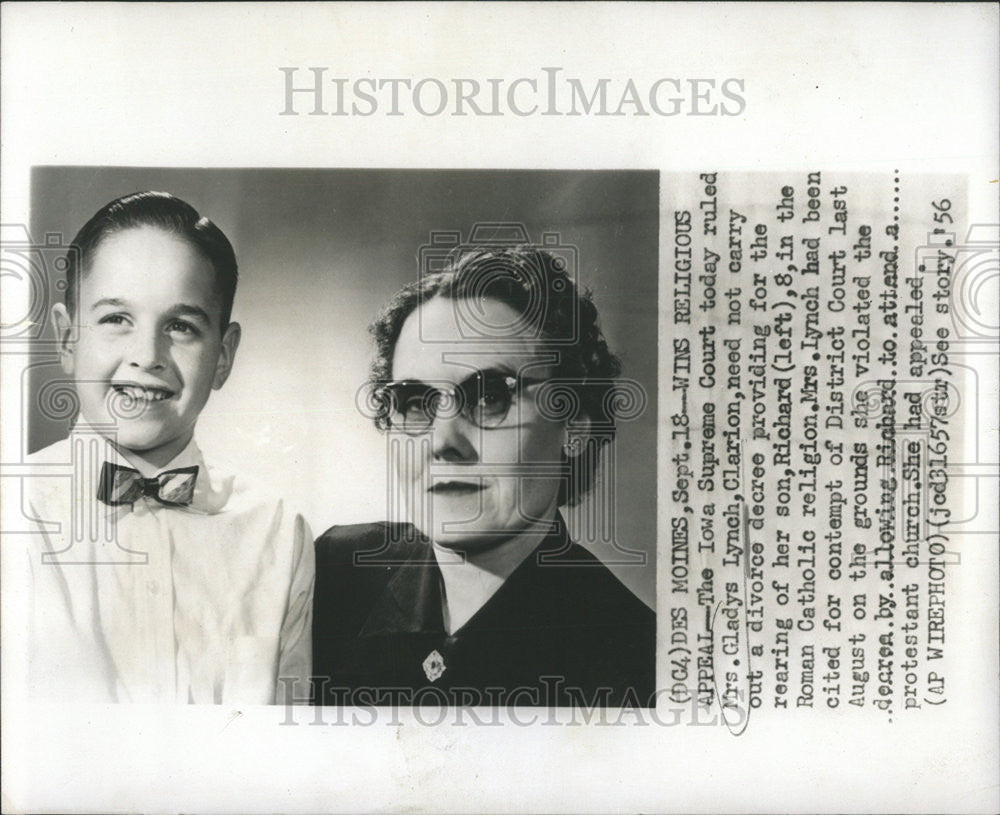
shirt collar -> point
(471, 579)
(209, 496)
(411, 601)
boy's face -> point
(150, 348)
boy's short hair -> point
(164, 211)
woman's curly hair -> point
(536, 284)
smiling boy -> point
(157, 578)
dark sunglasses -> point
(484, 399)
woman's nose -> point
(453, 439)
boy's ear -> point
(230, 342)
(64, 334)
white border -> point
(833, 87)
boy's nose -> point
(452, 440)
(146, 352)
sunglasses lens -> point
(484, 399)
(412, 407)
(489, 404)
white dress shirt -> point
(208, 603)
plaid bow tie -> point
(123, 485)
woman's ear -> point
(63, 323)
(575, 435)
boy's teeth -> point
(137, 392)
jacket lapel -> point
(410, 602)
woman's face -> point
(465, 486)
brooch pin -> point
(434, 665)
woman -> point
(491, 377)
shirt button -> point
(153, 586)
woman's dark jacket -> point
(561, 631)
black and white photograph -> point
(523, 407)
(359, 320)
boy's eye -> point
(112, 319)
(182, 327)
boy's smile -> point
(150, 348)
(136, 391)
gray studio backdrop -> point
(319, 252)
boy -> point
(158, 578)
